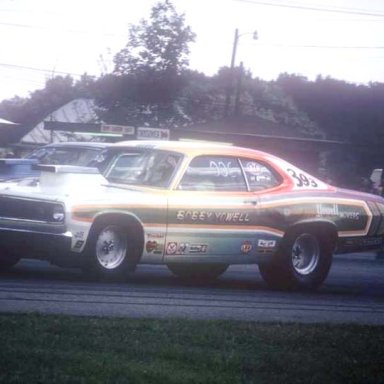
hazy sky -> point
(343, 39)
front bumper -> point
(54, 247)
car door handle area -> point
(251, 202)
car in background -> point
(68, 153)
(11, 169)
(195, 207)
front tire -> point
(111, 253)
(303, 261)
(197, 272)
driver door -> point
(211, 214)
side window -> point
(162, 168)
(259, 176)
(213, 173)
(153, 169)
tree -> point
(29, 111)
(158, 45)
(156, 54)
(346, 112)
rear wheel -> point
(303, 262)
(197, 271)
(111, 252)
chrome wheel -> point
(111, 247)
(305, 254)
(303, 259)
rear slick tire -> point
(302, 263)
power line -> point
(78, 31)
(324, 46)
(16, 79)
(39, 69)
(318, 9)
(22, 25)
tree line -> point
(152, 85)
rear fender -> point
(327, 230)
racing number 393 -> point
(301, 180)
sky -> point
(343, 39)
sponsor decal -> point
(182, 248)
(174, 248)
(151, 246)
(154, 246)
(327, 210)
(266, 243)
(209, 216)
(155, 235)
(79, 244)
(265, 250)
(79, 235)
(334, 210)
(171, 248)
(246, 247)
(198, 248)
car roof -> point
(191, 147)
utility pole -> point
(238, 89)
(231, 73)
(234, 48)
(231, 81)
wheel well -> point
(327, 231)
(134, 227)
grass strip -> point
(64, 349)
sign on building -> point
(145, 133)
(117, 129)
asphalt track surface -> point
(352, 293)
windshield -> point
(149, 168)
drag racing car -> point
(195, 207)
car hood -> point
(67, 183)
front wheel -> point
(303, 262)
(111, 252)
(197, 271)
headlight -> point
(58, 213)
